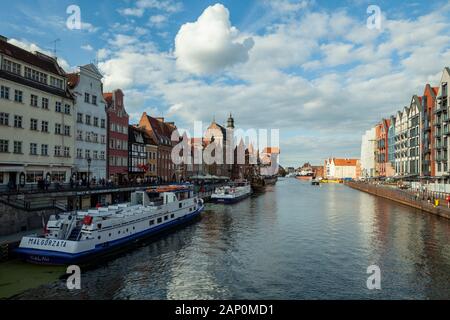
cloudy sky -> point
(310, 68)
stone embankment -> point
(416, 200)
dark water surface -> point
(295, 241)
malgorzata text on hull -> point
(76, 237)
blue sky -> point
(310, 68)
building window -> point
(79, 153)
(86, 97)
(4, 119)
(18, 96)
(94, 100)
(44, 149)
(95, 154)
(102, 139)
(88, 136)
(33, 124)
(34, 176)
(58, 106)
(17, 121)
(102, 123)
(79, 117)
(45, 103)
(67, 152)
(95, 121)
(18, 147)
(87, 154)
(34, 101)
(95, 137)
(35, 75)
(4, 92)
(102, 155)
(4, 145)
(79, 135)
(57, 128)
(57, 151)
(10, 66)
(88, 119)
(67, 109)
(44, 126)
(58, 83)
(33, 149)
(67, 130)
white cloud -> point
(135, 12)
(87, 47)
(32, 47)
(210, 44)
(158, 20)
(141, 6)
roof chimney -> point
(3, 38)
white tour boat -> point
(232, 193)
(75, 237)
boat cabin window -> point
(172, 216)
(180, 205)
(166, 218)
(99, 226)
(152, 222)
(159, 220)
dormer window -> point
(57, 83)
(12, 67)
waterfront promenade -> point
(418, 199)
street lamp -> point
(89, 160)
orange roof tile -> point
(345, 162)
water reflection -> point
(295, 241)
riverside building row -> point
(413, 143)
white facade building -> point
(36, 118)
(368, 148)
(342, 168)
(91, 131)
(401, 142)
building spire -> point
(230, 122)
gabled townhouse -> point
(414, 137)
(428, 154)
(161, 132)
(381, 133)
(401, 142)
(390, 166)
(441, 126)
(117, 137)
(91, 130)
(37, 119)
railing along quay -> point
(421, 200)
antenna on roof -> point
(55, 43)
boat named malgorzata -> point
(75, 237)
(232, 193)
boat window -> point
(110, 234)
(152, 222)
(134, 228)
(127, 229)
(166, 218)
(99, 226)
(119, 232)
(172, 216)
(180, 205)
(159, 220)
(99, 237)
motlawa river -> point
(295, 241)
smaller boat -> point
(315, 182)
(232, 193)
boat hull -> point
(304, 178)
(48, 257)
(230, 200)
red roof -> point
(73, 79)
(36, 59)
(345, 162)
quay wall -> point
(413, 200)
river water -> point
(295, 241)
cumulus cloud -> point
(87, 47)
(210, 44)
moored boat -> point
(76, 237)
(232, 193)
